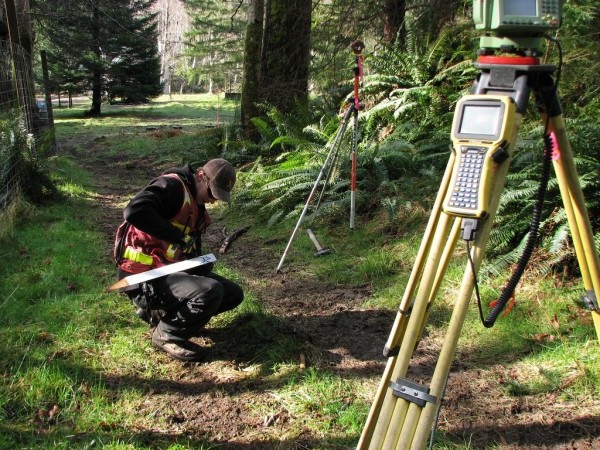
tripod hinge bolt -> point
(389, 352)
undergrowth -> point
(76, 369)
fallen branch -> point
(232, 237)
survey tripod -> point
(403, 413)
(330, 163)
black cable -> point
(476, 283)
(560, 60)
(510, 287)
(437, 417)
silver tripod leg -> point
(333, 164)
(316, 185)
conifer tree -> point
(286, 52)
(216, 41)
(113, 42)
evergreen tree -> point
(215, 41)
(112, 42)
(134, 75)
(251, 89)
(286, 52)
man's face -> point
(204, 195)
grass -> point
(65, 344)
(57, 325)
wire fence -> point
(23, 121)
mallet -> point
(320, 250)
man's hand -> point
(189, 245)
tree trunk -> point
(438, 13)
(394, 31)
(286, 53)
(252, 60)
(25, 28)
(48, 99)
(173, 23)
(97, 69)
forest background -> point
(291, 66)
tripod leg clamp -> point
(394, 351)
(412, 392)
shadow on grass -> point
(552, 433)
(160, 439)
(556, 434)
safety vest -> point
(142, 251)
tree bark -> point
(252, 60)
(286, 53)
(96, 108)
(48, 99)
(394, 31)
(173, 22)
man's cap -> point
(221, 176)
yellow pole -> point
(461, 307)
(577, 215)
(401, 321)
(448, 251)
(413, 329)
(395, 335)
(396, 425)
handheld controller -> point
(480, 139)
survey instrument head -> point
(516, 25)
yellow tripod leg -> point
(577, 215)
(403, 414)
(404, 424)
(417, 438)
(446, 256)
(399, 326)
(417, 420)
(392, 407)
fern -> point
(512, 223)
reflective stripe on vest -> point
(184, 228)
(137, 256)
(143, 251)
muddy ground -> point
(216, 400)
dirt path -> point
(223, 402)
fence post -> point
(48, 97)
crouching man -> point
(163, 225)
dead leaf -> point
(554, 322)
(270, 420)
(53, 411)
(543, 337)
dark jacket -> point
(152, 208)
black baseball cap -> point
(221, 176)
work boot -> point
(189, 333)
(176, 347)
